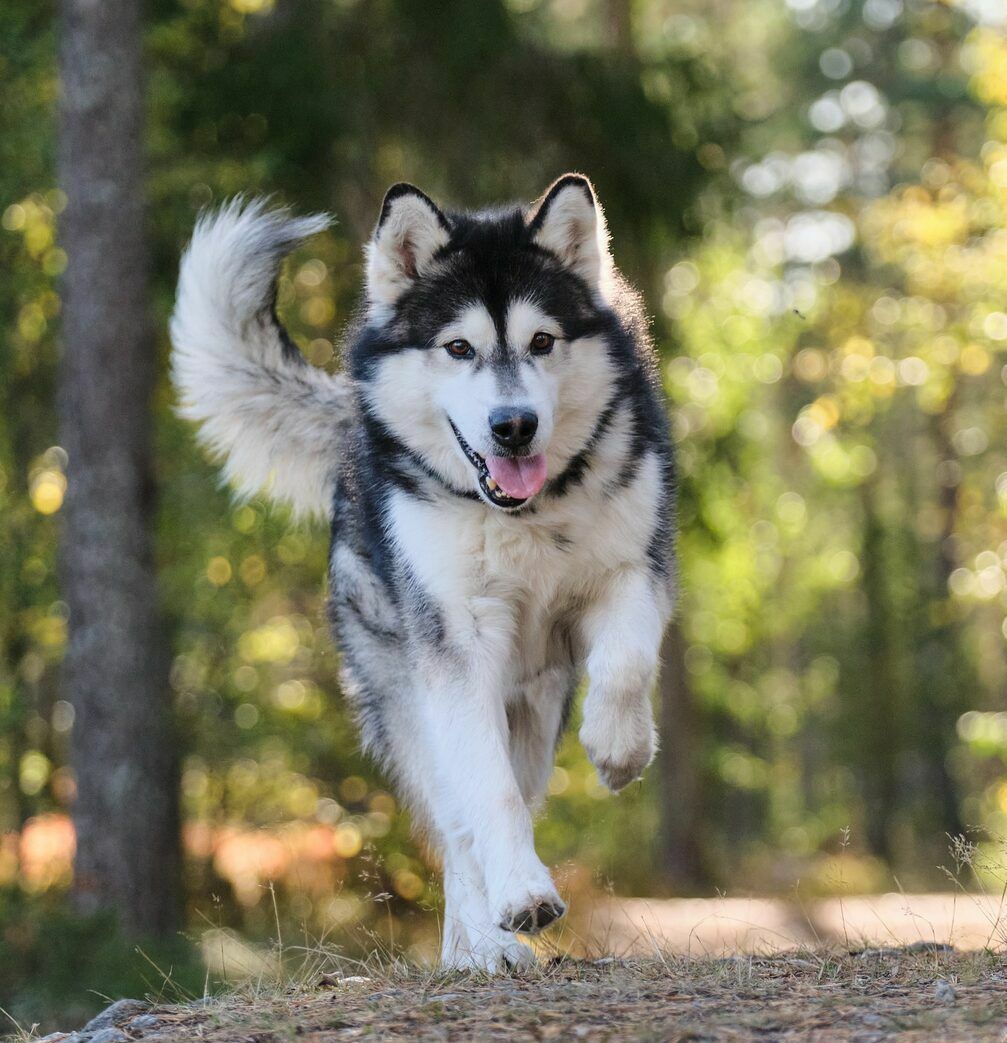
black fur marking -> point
(425, 613)
(636, 451)
(661, 549)
(402, 467)
(268, 315)
(358, 521)
(573, 473)
(361, 618)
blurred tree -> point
(837, 640)
(116, 664)
(679, 857)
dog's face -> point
(487, 358)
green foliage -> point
(57, 969)
(840, 412)
(812, 197)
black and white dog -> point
(496, 465)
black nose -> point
(513, 428)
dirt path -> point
(907, 994)
(724, 926)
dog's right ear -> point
(410, 231)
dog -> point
(496, 465)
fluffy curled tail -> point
(278, 422)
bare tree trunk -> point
(619, 27)
(679, 856)
(878, 734)
(946, 677)
(123, 749)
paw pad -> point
(618, 776)
(535, 917)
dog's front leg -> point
(466, 724)
(472, 940)
(623, 632)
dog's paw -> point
(620, 749)
(618, 776)
(533, 915)
(493, 951)
(524, 898)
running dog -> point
(495, 462)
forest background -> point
(812, 196)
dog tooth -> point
(490, 483)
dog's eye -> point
(541, 343)
(459, 349)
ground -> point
(857, 968)
(921, 992)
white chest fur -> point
(504, 580)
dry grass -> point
(872, 968)
(920, 992)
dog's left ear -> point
(410, 231)
(568, 221)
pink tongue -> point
(519, 477)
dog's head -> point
(484, 351)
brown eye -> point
(541, 343)
(459, 349)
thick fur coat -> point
(497, 469)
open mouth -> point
(525, 473)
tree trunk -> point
(877, 727)
(679, 855)
(947, 679)
(115, 672)
(619, 27)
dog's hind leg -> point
(536, 720)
